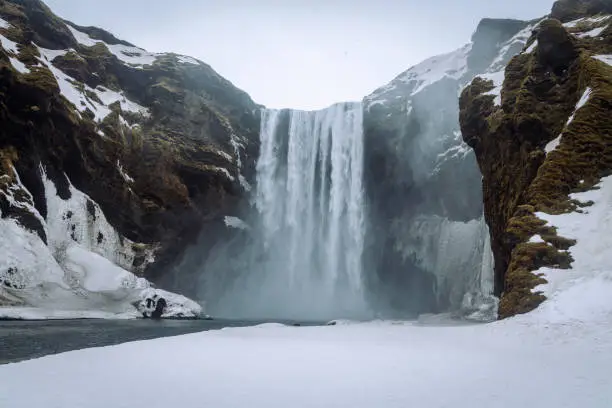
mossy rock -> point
(540, 92)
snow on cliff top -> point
(452, 65)
(133, 56)
(422, 75)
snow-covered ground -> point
(556, 356)
(519, 362)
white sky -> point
(299, 53)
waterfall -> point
(306, 260)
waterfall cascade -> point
(306, 260)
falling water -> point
(307, 261)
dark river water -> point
(22, 340)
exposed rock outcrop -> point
(160, 144)
(550, 136)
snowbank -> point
(505, 364)
(82, 272)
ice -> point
(457, 253)
(27, 202)
(235, 222)
(19, 66)
(70, 277)
(604, 58)
(81, 220)
(244, 183)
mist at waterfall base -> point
(303, 253)
(303, 257)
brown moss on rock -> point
(540, 92)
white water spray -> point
(310, 227)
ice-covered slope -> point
(77, 272)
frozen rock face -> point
(547, 140)
(70, 272)
(422, 181)
(125, 153)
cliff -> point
(107, 147)
(547, 136)
(428, 241)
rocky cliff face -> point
(158, 146)
(547, 135)
(428, 239)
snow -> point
(358, 365)
(235, 222)
(123, 173)
(592, 264)
(532, 47)
(596, 32)
(511, 47)
(581, 102)
(75, 92)
(81, 37)
(4, 23)
(34, 313)
(498, 82)
(452, 65)
(556, 356)
(604, 58)
(221, 170)
(552, 145)
(586, 21)
(82, 272)
(19, 66)
(244, 183)
(132, 56)
(536, 239)
(183, 59)
(27, 202)
(8, 45)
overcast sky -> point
(303, 54)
